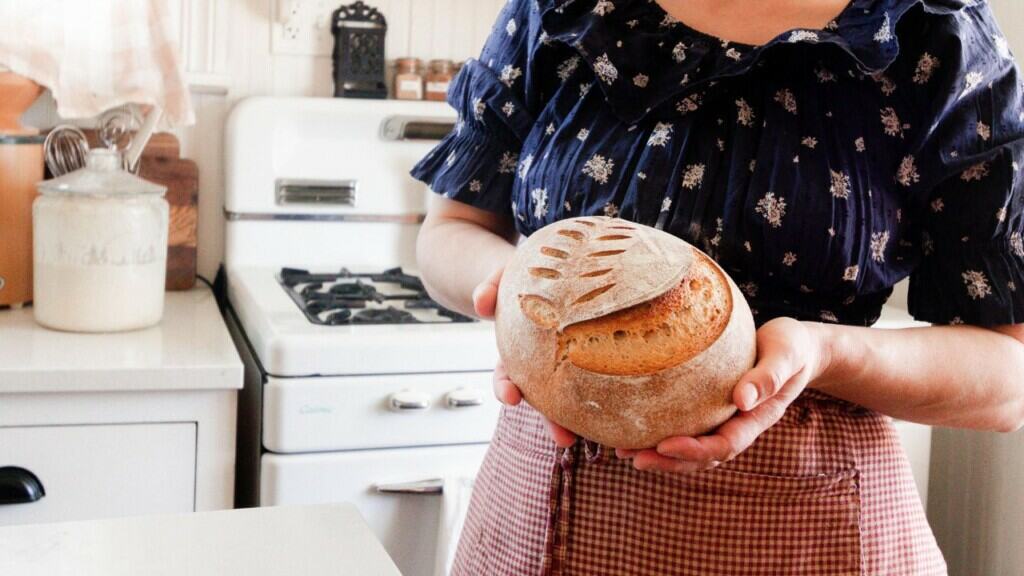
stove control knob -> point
(464, 398)
(408, 400)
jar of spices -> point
(408, 80)
(100, 248)
(439, 78)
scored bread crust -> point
(560, 328)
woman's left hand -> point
(789, 356)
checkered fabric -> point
(826, 491)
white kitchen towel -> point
(97, 54)
(454, 505)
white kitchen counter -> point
(190, 349)
(123, 424)
(311, 541)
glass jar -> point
(438, 79)
(99, 249)
(408, 80)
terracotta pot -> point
(17, 94)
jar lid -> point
(101, 176)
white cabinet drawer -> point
(405, 522)
(100, 471)
(303, 415)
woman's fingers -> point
(562, 437)
(509, 394)
(649, 460)
(504, 389)
(735, 435)
(775, 366)
(485, 295)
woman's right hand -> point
(485, 299)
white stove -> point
(358, 387)
(289, 344)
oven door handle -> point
(430, 486)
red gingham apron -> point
(826, 491)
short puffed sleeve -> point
(497, 101)
(967, 170)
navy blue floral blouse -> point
(819, 169)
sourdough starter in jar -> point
(100, 249)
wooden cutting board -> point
(162, 163)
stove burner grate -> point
(346, 298)
(387, 315)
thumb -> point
(773, 369)
(485, 295)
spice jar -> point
(438, 79)
(408, 80)
(100, 249)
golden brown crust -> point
(657, 334)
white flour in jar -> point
(100, 261)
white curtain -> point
(94, 55)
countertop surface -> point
(309, 540)
(190, 349)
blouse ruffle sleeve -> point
(476, 163)
(971, 267)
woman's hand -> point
(485, 298)
(790, 355)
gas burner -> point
(345, 298)
(389, 315)
(397, 276)
(356, 290)
(343, 316)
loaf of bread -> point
(623, 334)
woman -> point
(821, 152)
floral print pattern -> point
(599, 168)
(616, 108)
(787, 99)
(772, 208)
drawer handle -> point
(19, 486)
(408, 401)
(464, 398)
(432, 486)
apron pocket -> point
(716, 523)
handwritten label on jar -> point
(411, 87)
(437, 87)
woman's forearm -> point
(456, 251)
(958, 376)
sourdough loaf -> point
(624, 334)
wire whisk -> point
(65, 149)
(116, 131)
